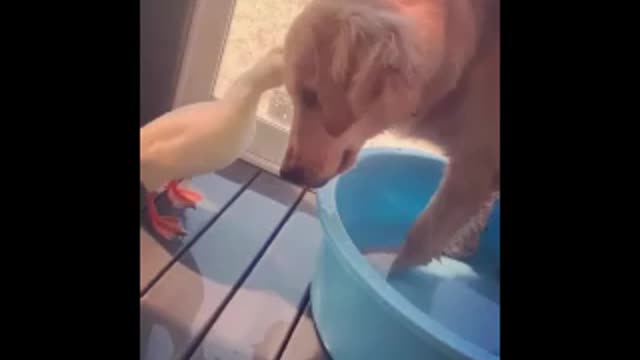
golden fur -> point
(424, 68)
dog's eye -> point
(309, 98)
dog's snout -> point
(302, 177)
(295, 175)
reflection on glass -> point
(256, 27)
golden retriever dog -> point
(423, 68)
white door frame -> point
(200, 66)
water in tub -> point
(463, 298)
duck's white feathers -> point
(206, 136)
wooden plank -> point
(176, 311)
(218, 189)
(304, 343)
(256, 321)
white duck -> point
(201, 138)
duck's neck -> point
(242, 99)
(246, 89)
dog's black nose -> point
(295, 175)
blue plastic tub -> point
(445, 310)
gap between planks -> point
(193, 346)
(197, 236)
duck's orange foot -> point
(181, 196)
(168, 227)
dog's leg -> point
(467, 188)
(466, 241)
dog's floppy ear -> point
(373, 53)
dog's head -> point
(352, 71)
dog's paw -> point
(417, 250)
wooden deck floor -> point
(236, 287)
